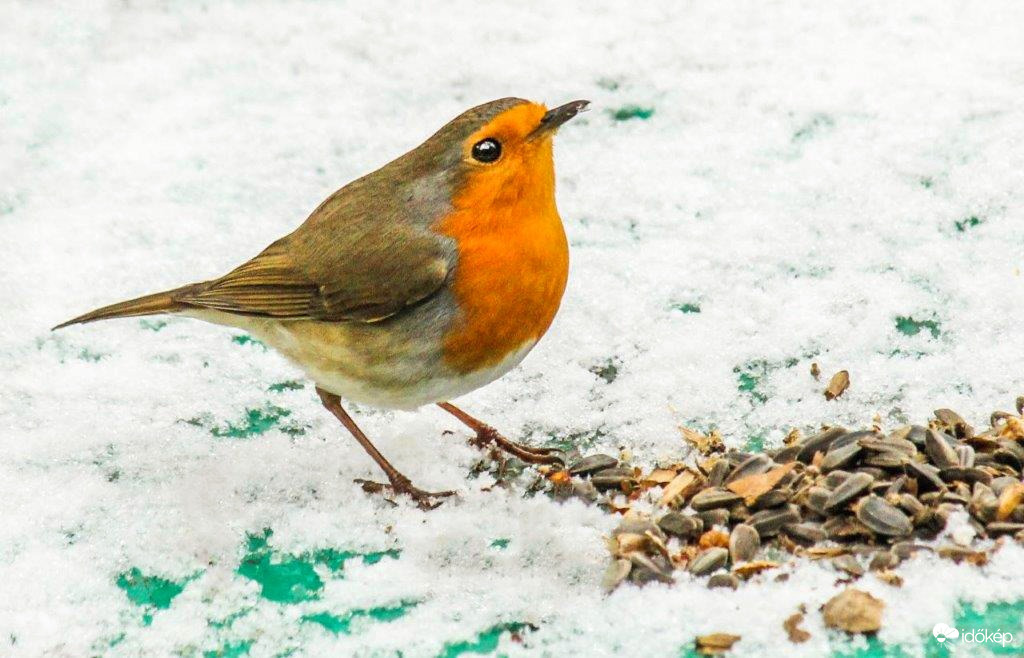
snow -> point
(810, 174)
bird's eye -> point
(487, 150)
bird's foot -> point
(399, 486)
(488, 436)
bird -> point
(413, 285)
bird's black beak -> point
(556, 117)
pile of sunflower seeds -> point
(863, 499)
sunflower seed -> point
(718, 472)
(849, 564)
(805, 533)
(816, 498)
(913, 433)
(883, 560)
(681, 525)
(883, 518)
(925, 474)
(843, 528)
(966, 475)
(646, 569)
(723, 580)
(772, 498)
(710, 560)
(965, 455)
(874, 444)
(592, 464)
(714, 517)
(819, 443)
(910, 504)
(713, 498)
(787, 454)
(998, 528)
(952, 420)
(840, 457)
(890, 459)
(753, 465)
(620, 477)
(1000, 483)
(768, 522)
(835, 478)
(852, 487)
(744, 542)
(939, 450)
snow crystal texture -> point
(758, 186)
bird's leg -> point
(400, 484)
(487, 435)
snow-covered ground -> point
(758, 186)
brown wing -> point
(301, 277)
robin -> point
(415, 284)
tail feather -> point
(161, 302)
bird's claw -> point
(425, 500)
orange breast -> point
(512, 267)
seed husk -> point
(852, 487)
(617, 571)
(837, 385)
(1009, 499)
(710, 560)
(796, 634)
(853, 611)
(747, 569)
(716, 643)
(682, 486)
(752, 486)
(744, 543)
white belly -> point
(364, 366)
(436, 387)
